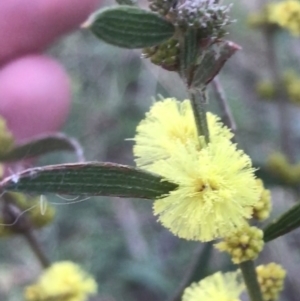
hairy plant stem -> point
(198, 102)
(250, 279)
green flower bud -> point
(165, 55)
(271, 280)
(244, 244)
(262, 209)
(209, 17)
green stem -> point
(36, 248)
(250, 279)
(198, 102)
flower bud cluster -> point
(165, 55)
(271, 280)
(206, 15)
(262, 209)
(244, 244)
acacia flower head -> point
(216, 184)
(168, 123)
(217, 287)
(287, 15)
(64, 281)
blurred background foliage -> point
(118, 240)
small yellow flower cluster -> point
(165, 55)
(261, 19)
(265, 89)
(271, 279)
(287, 15)
(216, 190)
(6, 138)
(63, 281)
(278, 165)
(244, 244)
(262, 209)
(292, 85)
(217, 287)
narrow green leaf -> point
(92, 178)
(41, 145)
(130, 27)
(286, 223)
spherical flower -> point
(167, 123)
(63, 281)
(271, 279)
(244, 244)
(287, 15)
(217, 287)
(216, 183)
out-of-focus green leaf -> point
(130, 27)
(286, 223)
(41, 145)
(92, 178)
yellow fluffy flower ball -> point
(168, 123)
(63, 281)
(216, 183)
(217, 287)
(287, 15)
